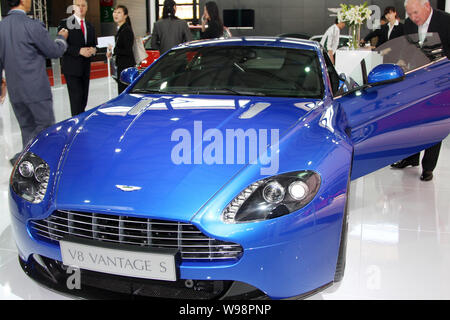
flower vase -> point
(355, 36)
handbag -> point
(139, 50)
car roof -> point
(295, 35)
(321, 35)
(254, 41)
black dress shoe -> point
(426, 176)
(404, 163)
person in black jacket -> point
(423, 19)
(123, 51)
(76, 62)
(391, 30)
(170, 30)
(212, 19)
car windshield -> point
(235, 70)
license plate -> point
(130, 263)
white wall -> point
(447, 6)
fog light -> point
(273, 192)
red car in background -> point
(154, 54)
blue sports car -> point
(222, 171)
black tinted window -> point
(243, 70)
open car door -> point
(401, 111)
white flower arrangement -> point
(354, 15)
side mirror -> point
(386, 73)
(128, 75)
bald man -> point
(423, 19)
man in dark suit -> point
(76, 62)
(423, 19)
(24, 46)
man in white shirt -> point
(331, 38)
(420, 12)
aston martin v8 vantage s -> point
(222, 171)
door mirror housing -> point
(128, 75)
(386, 73)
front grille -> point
(142, 232)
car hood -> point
(124, 157)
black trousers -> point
(78, 88)
(430, 157)
(33, 118)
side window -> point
(334, 78)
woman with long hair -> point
(169, 31)
(211, 18)
(123, 51)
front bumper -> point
(295, 257)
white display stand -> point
(349, 62)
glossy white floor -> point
(399, 226)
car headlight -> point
(30, 178)
(273, 197)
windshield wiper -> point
(227, 90)
(200, 91)
(152, 91)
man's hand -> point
(3, 91)
(63, 32)
(87, 52)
